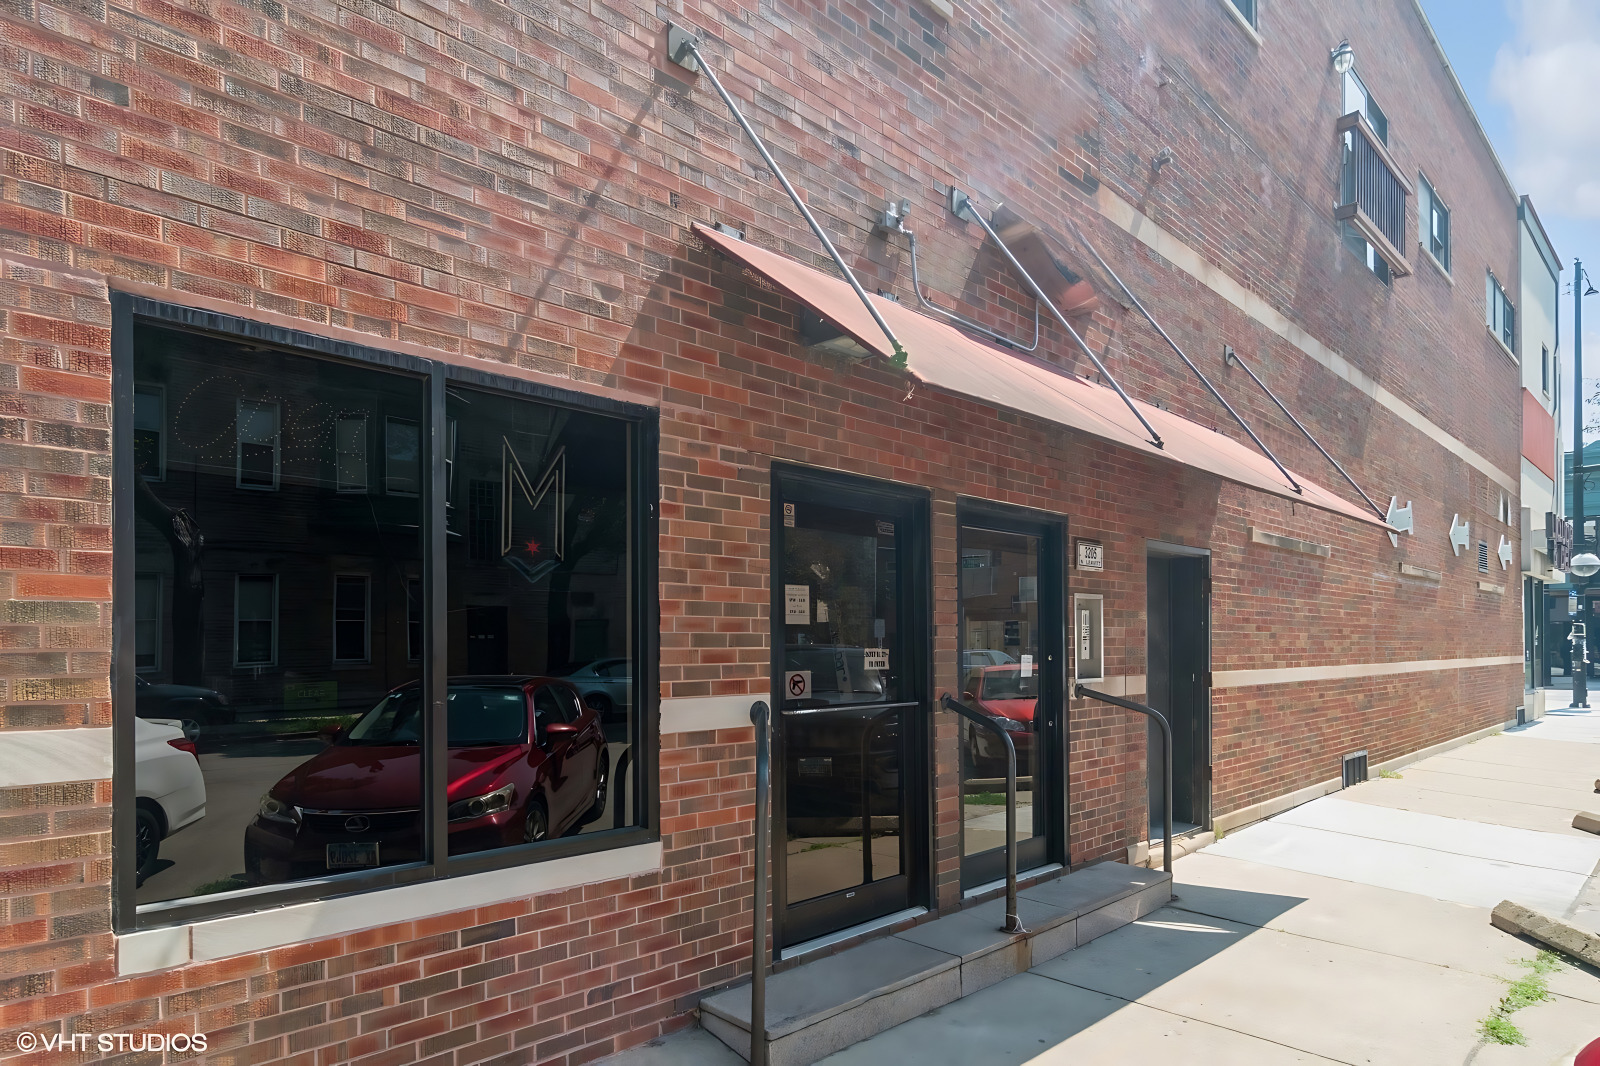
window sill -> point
(219, 938)
(1244, 23)
(1443, 270)
(1511, 355)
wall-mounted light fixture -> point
(1343, 56)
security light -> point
(1586, 564)
(1344, 57)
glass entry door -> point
(849, 628)
(1012, 671)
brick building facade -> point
(499, 197)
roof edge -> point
(1472, 112)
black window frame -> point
(434, 376)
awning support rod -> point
(684, 50)
(1148, 317)
(1233, 357)
(962, 206)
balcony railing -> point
(1372, 193)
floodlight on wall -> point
(1344, 57)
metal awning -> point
(945, 358)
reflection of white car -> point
(978, 658)
(605, 685)
(170, 791)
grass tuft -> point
(1525, 991)
(1499, 1030)
(1390, 775)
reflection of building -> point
(1541, 479)
(304, 491)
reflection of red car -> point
(1002, 693)
(527, 761)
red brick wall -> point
(511, 186)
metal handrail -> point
(1013, 923)
(1166, 759)
(761, 718)
(867, 734)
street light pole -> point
(1585, 564)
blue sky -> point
(1532, 71)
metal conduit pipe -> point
(1166, 759)
(761, 718)
(959, 319)
(1148, 317)
(684, 50)
(962, 206)
(1233, 357)
(1013, 923)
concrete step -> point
(828, 1003)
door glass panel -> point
(1000, 678)
(843, 669)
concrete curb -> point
(1547, 929)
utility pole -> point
(1584, 564)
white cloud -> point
(1548, 75)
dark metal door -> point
(850, 633)
(1177, 682)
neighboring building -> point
(1561, 600)
(1542, 479)
(387, 391)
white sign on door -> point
(797, 684)
(875, 658)
(1027, 666)
(797, 605)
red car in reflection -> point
(1002, 693)
(527, 761)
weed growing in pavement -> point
(1525, 991)
(1390, 775)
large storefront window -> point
(281, 641)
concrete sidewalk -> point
(1353, 929)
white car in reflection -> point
(606, 686)
(170, 791)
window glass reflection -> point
(1000, 671)
(539, 578)
(272, 613)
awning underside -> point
(948, 359)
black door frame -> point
(1051, 530)
(794, 483)
(1202, 755)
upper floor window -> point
(1246, 10)
(1357, 99)
(257, 438)
(1544, 368)
(1499, 315)
(1433, 219)
(350, 454)
(1372, 192)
